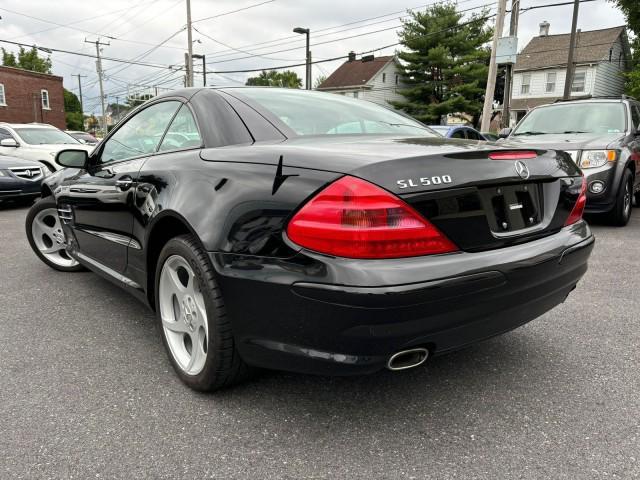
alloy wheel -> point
(184, 315)
(50, 239)
(627, 199)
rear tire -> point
(621, 212)
(46, 237)
(195, 329)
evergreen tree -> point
(446, 63)
(73, 111)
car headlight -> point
(3, 174)
(597, 158)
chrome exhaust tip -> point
(407, 359)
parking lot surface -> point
(87, 392)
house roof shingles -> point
(552, 50)
(354, 73)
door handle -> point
(124, 183)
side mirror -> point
(504, 133)
(72, 158)
(8, 142)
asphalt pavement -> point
(86, 391)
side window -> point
(472, 135)
(4, 134)
(183, 132)
(44, 94)
(141, 134)
(635, 115)
(458, 134)
(3, 98)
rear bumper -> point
(315, 314)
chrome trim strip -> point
(113, 237)
(109, 271)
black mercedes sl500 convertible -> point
(311, 232)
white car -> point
(36, 141)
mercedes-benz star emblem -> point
(522, 170)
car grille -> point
(27, 173)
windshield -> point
(39, 136)
(442, 130)
(574, 118)
(84, 136)
(316, 113)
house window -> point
(397, 79)
(3, 100)
(579, 79)
(551, 82)
(526, 83)
(355, 94)
(44, 94)
(384, 78)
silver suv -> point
(602, 135)
(37, 142)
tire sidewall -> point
(40, 205)
(622, 216)
(206, 377)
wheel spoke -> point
(53, 249)
(177, 325)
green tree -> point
(631, 10)
(27, 60)
(273, 78)
(445, 64)
(319, 81)
(73, 111)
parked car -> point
(83, 137)
(490, 137)
(458, 131)
(20, 180)
(36, 142)
(603, 138)
(262, 240)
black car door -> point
(101, 198)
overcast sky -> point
(137, 26)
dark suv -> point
(603, 137)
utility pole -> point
(99, 71)
(204, 68)
(117, 109)
(189, 47)
(491, 80)
(508, 78)
(572, 45)
(187, 73)
(80, 90)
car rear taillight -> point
(355, 219)
(516, 155)
(578, 208)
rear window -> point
(596, 117)
(317, 113)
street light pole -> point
(306, 32)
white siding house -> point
(601, 57)
(374, 79)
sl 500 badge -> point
(424, 181)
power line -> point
(233, 11)
(348, 37)
(221, 53)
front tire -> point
(195, 329)
(621, 212)
(46, 236)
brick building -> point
(27, 97)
